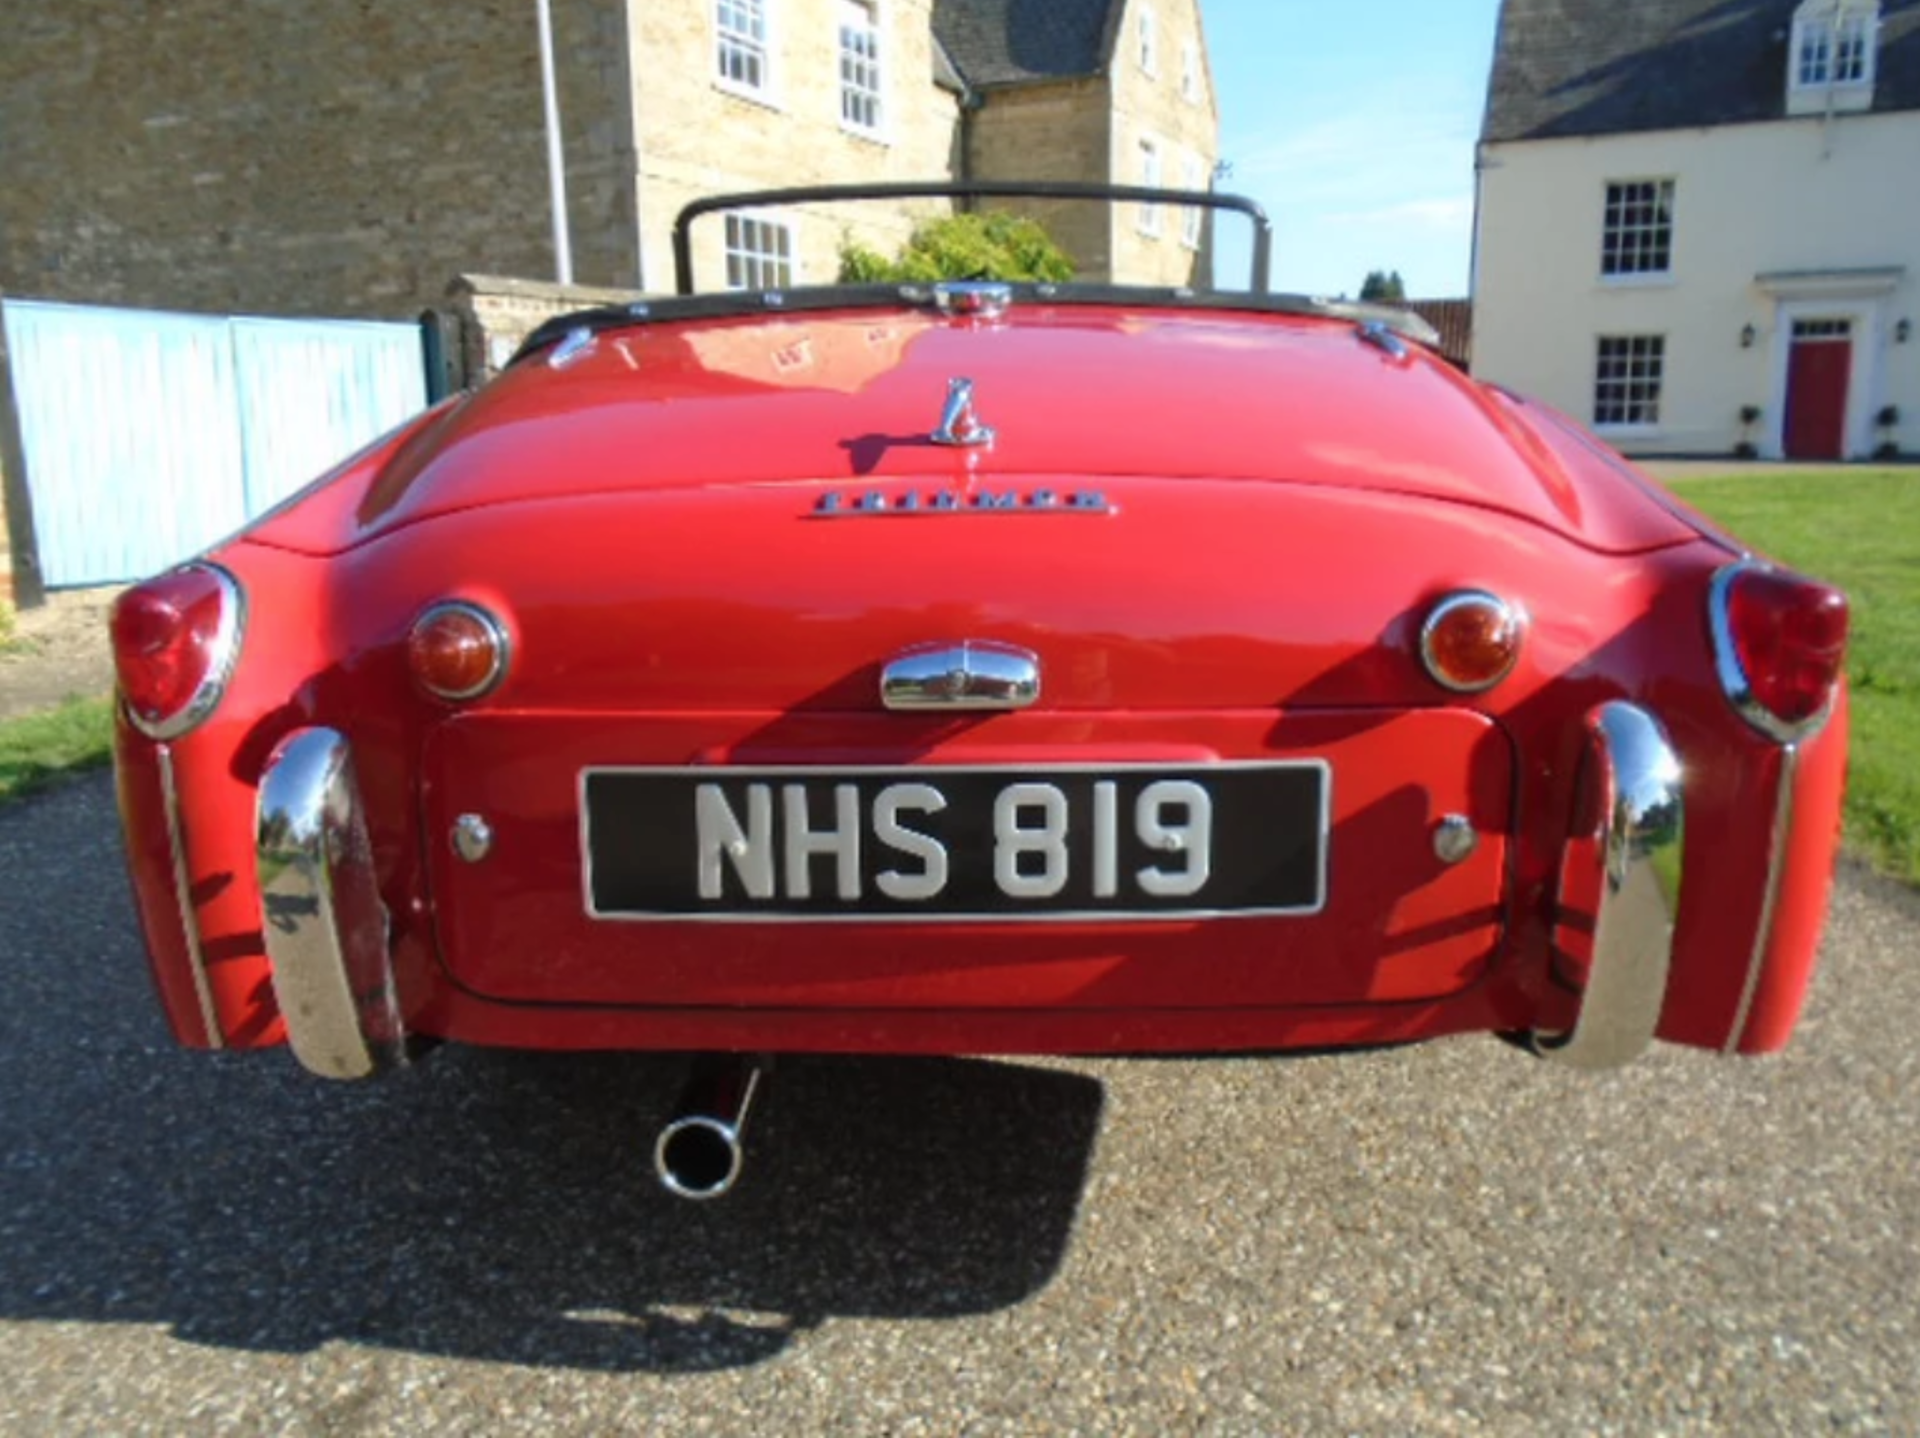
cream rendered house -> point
(1699, 223)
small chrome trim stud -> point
(960, 427)
(1455, 839)
(472, 838)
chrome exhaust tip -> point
(701, 1149)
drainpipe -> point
(556, 159)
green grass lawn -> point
(37, 748)
(1860, 529)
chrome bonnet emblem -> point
(959, 425)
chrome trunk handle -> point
(970, 675)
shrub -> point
(996, 245)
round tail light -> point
(1471, 640)
(457, 651)
(175, 641)
(1779, 641)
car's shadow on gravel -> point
(483, 1205)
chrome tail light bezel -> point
(1735, 683)
(1512, 613)
(225, 658)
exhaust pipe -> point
(699, 1153)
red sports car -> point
(978, 668)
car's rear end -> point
(1259, 682)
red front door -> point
(1817, 371)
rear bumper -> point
(1633, 787)
(325, 927)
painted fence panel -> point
(126, 420)
(311, 394)
(150, 436)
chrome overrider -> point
(325, 927)
(1634, 774)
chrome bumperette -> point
(960, 427)
(1637, 777)
(1770, 899)
(974, 674)
(1734, 682)
(226, 655)
(325, 927)
(183, 899)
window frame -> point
(735, 224)
(1193, 176)
(1626, 243)
(1849, 36)
(1147, 30)
(1613, 393)
(1190, 72)
(1147, 221)
(764, 92)
(877, 61)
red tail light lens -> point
(175, 640)
(1471, 641)
(1779, 640)
(457, 651)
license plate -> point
(955, 843)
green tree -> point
(1384, 287)
(996, 245)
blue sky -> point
(1353, 124)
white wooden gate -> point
(150, 436)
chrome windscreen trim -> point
(1734, 682)
(183, 899)
(325, 926)
(226, 655)
(1642, 837)
(1770, 899)
(972, 675)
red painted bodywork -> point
(1288, 503)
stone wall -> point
(495, 314)
(322, 157)
(789, 133)
(1054, 131)
(1181, 123)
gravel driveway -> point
(1450, 1238)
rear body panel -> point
(663, 528)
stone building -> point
(341, 157)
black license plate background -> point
(1268, 841)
